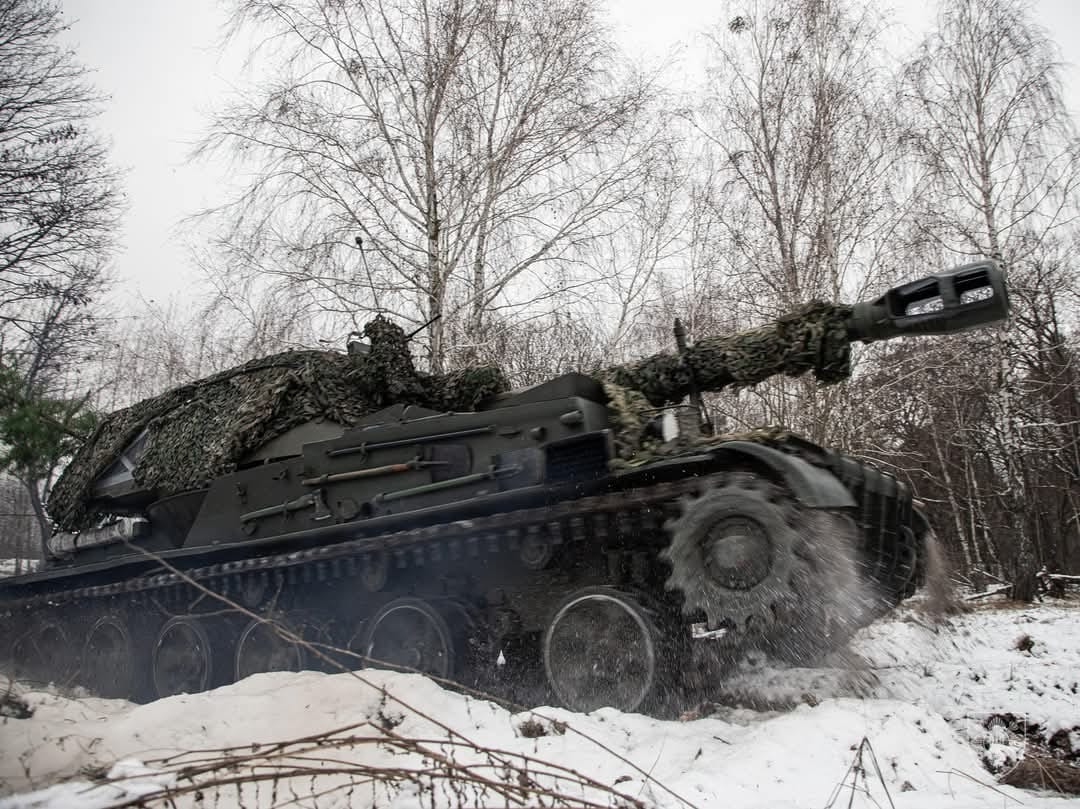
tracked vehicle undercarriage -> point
(552, 531)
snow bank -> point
(1022, 663)
(923, 686)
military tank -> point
(320, 509)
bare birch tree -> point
(588, 322)
(806, 199)
(59, 204)
(993, 131)
(1001, 170)
(424, 158)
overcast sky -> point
(161, 64)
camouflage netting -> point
(628, 414)
(201, 430)
(813, 338)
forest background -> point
(501, 165)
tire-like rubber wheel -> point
(262, 648)
(108, 666)
(183, 657)
(411, 634)
(603, 649)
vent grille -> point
(582, 458)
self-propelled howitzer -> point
(445, 524)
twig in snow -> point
(990, 575)
(857, 771)
(996, 591)
(980, 783)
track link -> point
(526, 531)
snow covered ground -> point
(935, 706)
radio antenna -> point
(413, 334)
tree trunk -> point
(436, 281)
(969, 550)
(44, 525)
(479, 281)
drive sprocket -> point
(733, 554)
(832, 599)
(773, 573)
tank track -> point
(597, 516)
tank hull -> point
(492, 570)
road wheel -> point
(602, 648)
(42, 651)
(183, 657)
(109, 666)
(265, 645)
(411, 634)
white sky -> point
(160, 63)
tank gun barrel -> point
(943, 303)
(818, 336)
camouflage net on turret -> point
(200, 431)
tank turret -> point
(442, 523)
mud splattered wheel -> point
(603, 649)
(410, 634)
(108, 658)
(775, 575)
(182, 662)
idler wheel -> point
(602, 648)
(410, 634)
(108, 664)
(182, 661)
